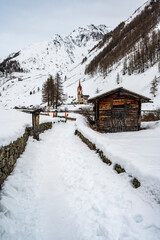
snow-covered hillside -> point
(70, 56)
(98, 81)
(58, 53)
(139, 83)
(41, 59)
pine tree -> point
(124, 70)
(159, 67)
(97, 90)
(154, 89)
(65, 78)
(118, 78)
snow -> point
(137, 12)
(72, 194)
(60, 189)
(139, 83)
(41, 59)
(138, 152)
(40, 64)
(14, 122)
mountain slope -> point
(25, 72)
(58, 53)
(124, 39)
(128, 56)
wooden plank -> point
(118, 101)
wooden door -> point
(118, 119)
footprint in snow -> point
(138, 218)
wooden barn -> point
(118, 110)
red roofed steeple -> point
(79, 93)
(80, 87)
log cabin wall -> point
(117, 113)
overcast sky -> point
(23, 22)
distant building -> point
(118, 110)
(82, 99)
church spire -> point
(80, 87)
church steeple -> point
(79, 92)
(80, 87)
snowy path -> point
(60, 190)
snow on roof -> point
(120, 89)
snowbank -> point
(137, 152)
(14, 122)
(60, 190)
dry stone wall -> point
(116, 167)
(10, 153)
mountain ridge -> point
(73, 54)
(41, 55)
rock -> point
(119, 169)
(136, 183)
(10, 153)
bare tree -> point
(58, 90)
(46, 92)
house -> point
(82, 99)
(118, 110)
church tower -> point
(79, 93)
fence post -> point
(35, 123)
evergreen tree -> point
(154, 85)
(124, 70)
(65, 78)
(97, 90)
(118, 78)
(159, 67)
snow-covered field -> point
(138, 152)
(60, 189)
(14, 122)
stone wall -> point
(116, 167)
(10, 153)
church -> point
(82, 99)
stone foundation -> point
(10, 153)
(117, 167)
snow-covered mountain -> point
(58, 53)
(132, 38)
(86, 48)
(25, 71)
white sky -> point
(23, 22)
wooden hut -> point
(118, 110)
